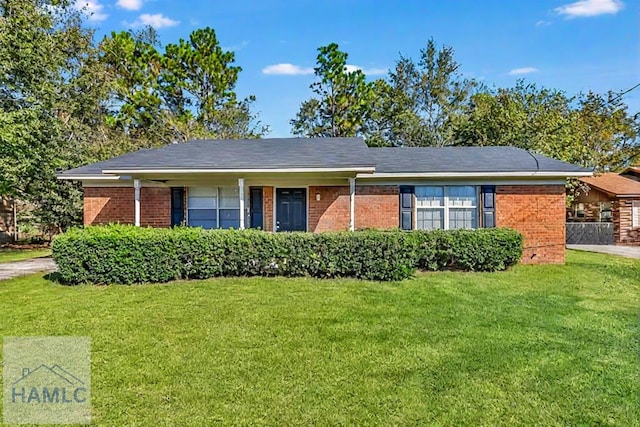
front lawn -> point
(10, 255)
(552, 345)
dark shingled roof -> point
(274, 153)
(281, 153)
(465, 159)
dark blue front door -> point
(291, 209)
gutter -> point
(473, 174)
(366, 170)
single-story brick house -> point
(321, 184)
(611, 197)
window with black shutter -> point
(406, 207)
(488, 206)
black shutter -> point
(177, 206)
(406, 207)
(488, 206)
(255, 208)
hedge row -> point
(126, 254)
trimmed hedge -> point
(127, 254)
(485, 249)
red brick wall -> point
(331, 212)
(103, 205)
(377, 206)
(267, 208)
(621, 212)
(538, 212)
(155, 206)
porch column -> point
(352, 203)
(136, 192)
(241, 196)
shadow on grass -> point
(623, 272)
(56, 278)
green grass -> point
(10, 255)
(536, 345)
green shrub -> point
(486, 249)
(126, 254)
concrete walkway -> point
(9, 270)
(626, 251)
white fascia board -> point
(366, 170)
(92, 177)
(476, 175)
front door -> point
(291, 209)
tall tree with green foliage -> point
(343, 99)
(186, 91)
(421, 99)
(592, 130)
(43, 110)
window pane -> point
(463, 196)
(429, 196)
(230, 218)
(463, 218)
(200, 214)
(205, 218)
(202, 223)
(201, 198)
(229, 197)
(430, 219)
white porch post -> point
(352, 204)
(241, 196)
(136, 191)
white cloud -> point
(287, 70)
(522, 71)
(543, 23)
(157, 21)
(586, 8)
(294, 70)
(366, 71)
(92, 9)
(129, 4)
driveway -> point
(9, 270)
(626, 251)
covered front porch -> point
(298, 201)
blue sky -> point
(570, 45)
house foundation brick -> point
(538, 212)
(103, 205)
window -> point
(440, 207)
(635, 214)
(229, 207)
(213, 207)
(605, 211)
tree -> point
(42, 105)
(421, 100)
(187, 91)
(591, 130)
(343, 102)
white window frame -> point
(217, 198)
(635, 214)
(446, 206)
